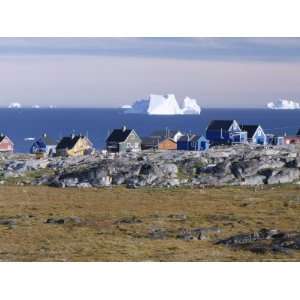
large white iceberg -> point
(164, 105)
(14, 105)
(283, 104)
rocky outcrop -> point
(226, 165)
(263, 241)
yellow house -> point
(74, 145)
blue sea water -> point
(23, 123)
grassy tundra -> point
(100, 237)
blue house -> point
(225, 132)
(255, 134)
(192, 143)
(43, 146)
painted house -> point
(74, 145)
(158, 143)
(123, 140)
(255, 134)
(291, 140)
(225, 132)
(164, 134)
(6, 144)
(193, 143)
(43, 146)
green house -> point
(123, 140)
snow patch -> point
(283, 104)
(164, 105)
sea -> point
(22, 125)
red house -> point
(6, 145)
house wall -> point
(6, 145)
(200, 146)
(183, 145)
(215, 136)
(289, 140)
(80, 147)
(167, 144)
(259, 137)
(132, 143)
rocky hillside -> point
(235, 165)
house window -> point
(136, 145)
(128, 145)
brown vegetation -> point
(105, 234)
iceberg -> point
(126, 106)
(14, 105)
(190, 107)
(283, 104)
(36, 106)
(164, 105)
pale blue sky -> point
(109, 72)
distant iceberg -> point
(164, 105)
(126, 106)
(36, 106)
(15, 105)
(283, 104)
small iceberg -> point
(15, 105)
(29, 139)
(36, 106)
(164, 105)
(283, 104)
(126, 106)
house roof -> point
(154, 141)
(190, 138)
(220, 124)
(47, 140)
(68, 142)
(151, 140)
(251, 129)
(119, 135)
(2, 137)
(187, 138)
(164, 133)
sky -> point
(110, 72)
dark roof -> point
(220, 124)
(164, 133)
(68, 142)
(2, 137)
(150, 140)
(187, 138)
(250, 129)
(47, 140)
(190, 138)
(119, 135)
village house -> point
(44, 146)
(255, 134)
(158, 143)
(291, 139)
(192, 142)
(162, 140)
(123, 140)
(74, 145)
(171, 134)
(6, 145)
(225, 132)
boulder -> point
(284, 176)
